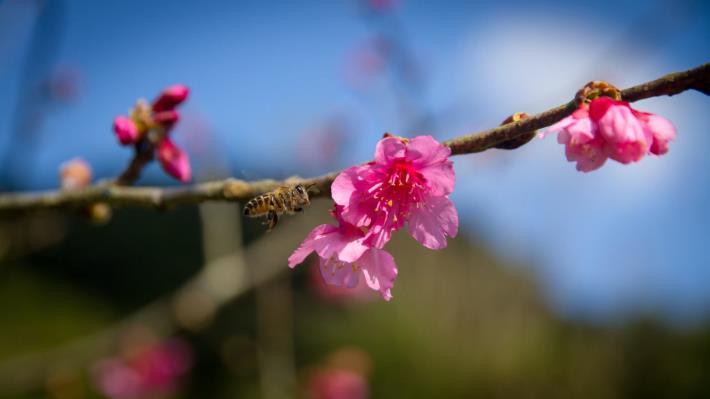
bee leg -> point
(271, 219)
(298, 209)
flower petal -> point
(343, 187)
(389, 149)
(338, 273)
(662, 131)
(425, 150)
(627, 140)
(441, 178)
(433, 221)
(380, 271)
(589, 156)
(307, 246)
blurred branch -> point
(141, 158)
(238, 190)
(220, 282)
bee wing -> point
(312, 188)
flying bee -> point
(285, 199)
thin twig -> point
(141, 158)
(239, 190)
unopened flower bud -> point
(174, 160)
(126, 130)
(166, 119)
(520, 140)
(74, 174)
(596, 89)
(170, 98)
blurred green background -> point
(461, 324)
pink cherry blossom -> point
(126, 130)
(170, 98)
(409, 181)
(607, 128)
(344, 257)
(174, 160)
(147, 371)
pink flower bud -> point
(126, 130)
(170, 98)
(166, 118)
(75, 174)
(174, 160)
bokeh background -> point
(560, 284)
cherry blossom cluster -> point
(605, 127)
(148, 127)
(408, 183)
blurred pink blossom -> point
(143, 372)
(382, 5)
(608, 128)
(334, 383)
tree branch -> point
(238, 190)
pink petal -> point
(433, 221)
(350, 190)
(380, 271)
(662, 131)
(338, 273)
(441, 178)
(388, 149)
(306, 247)
(343, 187)
(627, 140)
(352, 250)
(571, 124)
(589, 156)
(425, 150)
(170, 98)
(126, 130)
(174, 160)
(379, 235)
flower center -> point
(402, 188)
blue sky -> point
(619, 241)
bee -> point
(285, 199)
